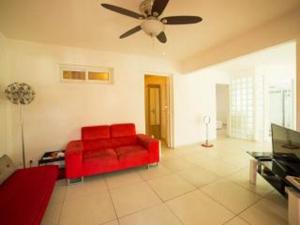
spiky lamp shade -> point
(20, 94)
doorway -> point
(282, 102)
(281, 106)
(222, 109)
(157, 107)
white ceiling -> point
(283, 55)
(85, 24)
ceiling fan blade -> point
(123, 11)
(162, 37)
(130, 32)
(158, 7)
(177, 20)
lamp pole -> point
(22, 135)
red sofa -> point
(105, 149)
(24, 196)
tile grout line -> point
(195, 188)
(111, 199)
(63, 203)
(139, 210)
(146, 180)
(164, 202)
(235, 218)
(219, 203)
(237, 214)
(250, 206)
(236, 172)
(261, 195)
(173, 213)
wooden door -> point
(157, 107)
(154, 107)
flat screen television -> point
(286, 148)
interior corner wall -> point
(194, 98)
(60, 109)
(222, 103)
(4, 106)
(298, 85)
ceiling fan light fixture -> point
(152, 27)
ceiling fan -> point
(152, 24)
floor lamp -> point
(20, 94)
(207, 121)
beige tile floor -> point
(191, 186)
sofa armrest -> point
(152, 145)
(73, 159)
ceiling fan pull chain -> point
(153, 42)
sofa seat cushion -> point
(132, 155)
(129, 148)
(106, 154)
(24, 195)
(98, 161)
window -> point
(86, 74)
(73, 75)
(102, 76)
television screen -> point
(286, 144)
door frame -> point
(170, 101)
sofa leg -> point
(152, 164)
(74, 181)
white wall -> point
(298, 84)
(195, 97)
(61, 109)
(222, 104)
(4, 105)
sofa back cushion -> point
(124, 141)
(7, 168)
(99, 144)
(122, 130)
(104, 137)
(95, 133)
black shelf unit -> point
(273, 172)
(269, 173)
